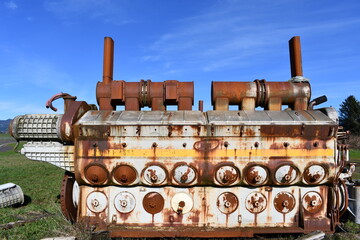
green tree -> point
(349, 115)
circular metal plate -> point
(314, 174)
(184, 174)
(285, 174)
(96, 174)
(284, 202)
(154, 175)
(255, 202)
(124, 202)
(312, 202)
(68, 208)
(153, 202)
(226, 175)
(182, 203)
(227, 202)
(125, 174)
(256, 175)
(96, 202)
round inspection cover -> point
(96, 202)
(284, 202)
(68, 203)
(256, 175)
(226, 175)
(312, 202)
(184, 174)
(96, 174)
(153, 202)
(314, 174)
(154, 175)
(124, 202)
(125, 174)
(285, 174)
(227, 202)
(255, 202)
(182, 203)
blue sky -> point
(55, 46)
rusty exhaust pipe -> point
(295, 57)
(108, 68)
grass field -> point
(355, 158)
(41, 183)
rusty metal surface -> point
(284, 202)
(108, 64)
(153, 202)
(57, 96)
(135, 95)
(198, 150)
(198, 206)
(214, 152)
(192, 173)
(96, 174)
(268, 95)
(74, 111)
(295, 57)
(66, 197)
(260, 93)
(125, 174)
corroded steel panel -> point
(204, 206)
(190, 173)
(205, 147)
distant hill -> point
(4, 126)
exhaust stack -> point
(295, 57)
(108, 68)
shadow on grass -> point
(27, 201)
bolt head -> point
(123, 203)
(285, 203)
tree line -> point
(349, 115)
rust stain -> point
(153, 203)
(206, 145)
(200, 155)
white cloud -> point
(11, 5)
(107, 11)
(150, 58)
(10, 109)
(225, 35)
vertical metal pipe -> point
(201, 105)
(295, 57)
(108, 60)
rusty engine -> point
(221, 173)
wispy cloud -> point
(107, 11)
(10, 109)
(150, 58)
(65, 8)
(225, 35)
(11, 5)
